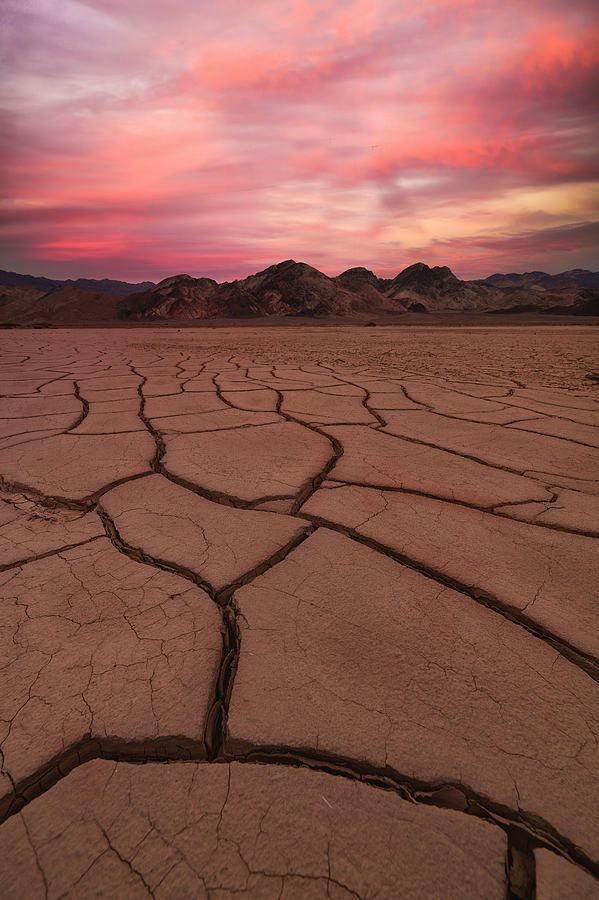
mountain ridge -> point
(293, 289)
(102, 285)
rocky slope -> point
(15, 294)
(587, 304)
(438, 288)
(420, 288)
(62, 305)
(576, 290)
(293, 288)
(288, 288)
(178, 297)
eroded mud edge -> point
(524, 831)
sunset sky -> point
(142, 138)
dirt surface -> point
(336, 586)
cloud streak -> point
(145, 138)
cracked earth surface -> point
(299, 613)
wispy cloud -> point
(146, 138)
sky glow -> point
(145, 138)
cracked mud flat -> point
(299, 612)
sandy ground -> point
(336, 587)
(539, 355)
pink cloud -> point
(143, 138)
(551, 249)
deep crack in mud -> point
(351, 597)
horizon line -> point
(142, 280)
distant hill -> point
(295, 289)
(102, 285)
(542, 281)
(421, 287)
(569, 293)
(64, 304)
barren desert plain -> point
(299, 612)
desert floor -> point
(336, 587)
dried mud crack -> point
(589, 664)
(273, 609)
(524, 832)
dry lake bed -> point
(336, 588)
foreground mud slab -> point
(219, 544)
(336, 587)
(198, 831)
(100, 648)
(557, 879)
(348, 652)
(545, 577)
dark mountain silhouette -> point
(95, 285)
(294, 289)
(542, 281)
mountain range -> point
(293, 289)
(95, 285)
